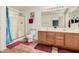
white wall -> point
(37, 19)
(2, 27)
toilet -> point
(31, 35)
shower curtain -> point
(8, 31)
(14, 25)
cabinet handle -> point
(59, 37)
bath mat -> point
(43, 47)
(21, 48)
(17, 43)
(61, 50)
(13, 45)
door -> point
(59, 39)
(21, 28)
(51, 38)
(42, 37)
(72, 41)
(13, 24)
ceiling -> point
(24, 8)
(27, 8)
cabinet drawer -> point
(51, 38)
(50, 35)
(60, 34)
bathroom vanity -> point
(64, 39)
(59, 28)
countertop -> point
(68, 30)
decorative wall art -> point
(31, 19)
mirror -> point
(54, 18)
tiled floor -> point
(21, 48)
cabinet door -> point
(59, 39)
(51, 38)
(72, 41)
(41, 37)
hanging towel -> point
(69, 24)
(30, 20)
(8, 32)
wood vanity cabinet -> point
(72, 41)
(51, 38)
(59, 39)
(42, 37)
